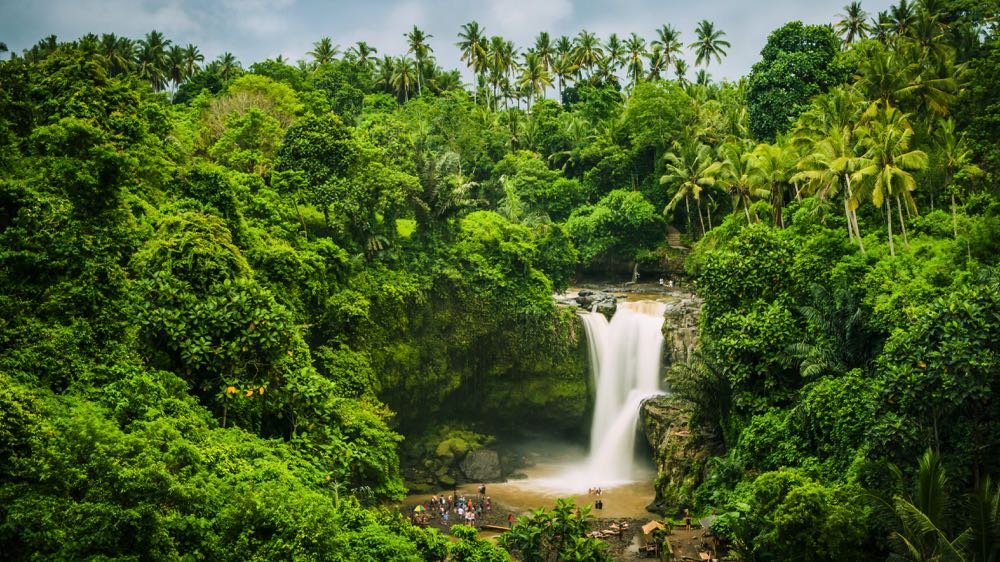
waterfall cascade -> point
(625, 362)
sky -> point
(255, 30)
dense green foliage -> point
(231, 300)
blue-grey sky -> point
(258, 29)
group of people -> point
(465, 509)
(599, 503)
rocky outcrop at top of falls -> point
(680, 327)
(597, 301)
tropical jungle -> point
(246, 307)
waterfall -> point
(625, 364)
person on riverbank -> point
(510, 520)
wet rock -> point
(598, 301)
(680, 328)
(482, 465)
(681, 452)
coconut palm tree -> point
(118, 52)
(386, 69)
(709, 44)
(690, 168)
(176, 69)
(956, 157)
(404, 76)
(588, 51)
(734, 175)
(362, 53)
(564, 45)
(657, 63)
(772, 167)
(564, 68)
(534, 77)
(546, 52)
(635, 50)
(324, 51)
(669, 41)
(826, 134)
(418, 46)
(680, 70)
(901, 17)
(192, 59)
(884, 170)
(227, 66)
(614, 52)
(152, 59)
(473, 43)
(853, 23)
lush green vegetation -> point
(230, 297)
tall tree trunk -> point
(708, 209)
(954, 215)
(701, 218)
(687, 209)
(888, 218)
(902, 223)
(857, 230)
(847, 215)
(746, 208)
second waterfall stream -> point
(625, 362)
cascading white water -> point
(625, 361)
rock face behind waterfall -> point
(680, 328)
(679, 451)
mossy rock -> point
(447, 481)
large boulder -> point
(680, 327)
(482, 465)
(598, 301)
(681, 452)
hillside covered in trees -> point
(234, 298)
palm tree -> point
(152, 59)
(564, 45)
(192, 58)
(771, 167)
(885, 167)
(691, 168)
(709, 44)
(118, 52)
(880, 27)
(564, 68)
(614, 51)
(826, 134)
(3, 47)
(853, 23)
(922, 516)
(404, 76)
(957, 157)
(324, 51)
(657, 63)
(635, 48)
(901, 17)
(362, 53)
(417, 41)
(587, 50)
(545, 50)
(735, 172)
(386, 69)
(474, 53)
(680, 70)
(227, 66)
(668, 38)
(703, 78)
(176, 69)
(534, 77)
